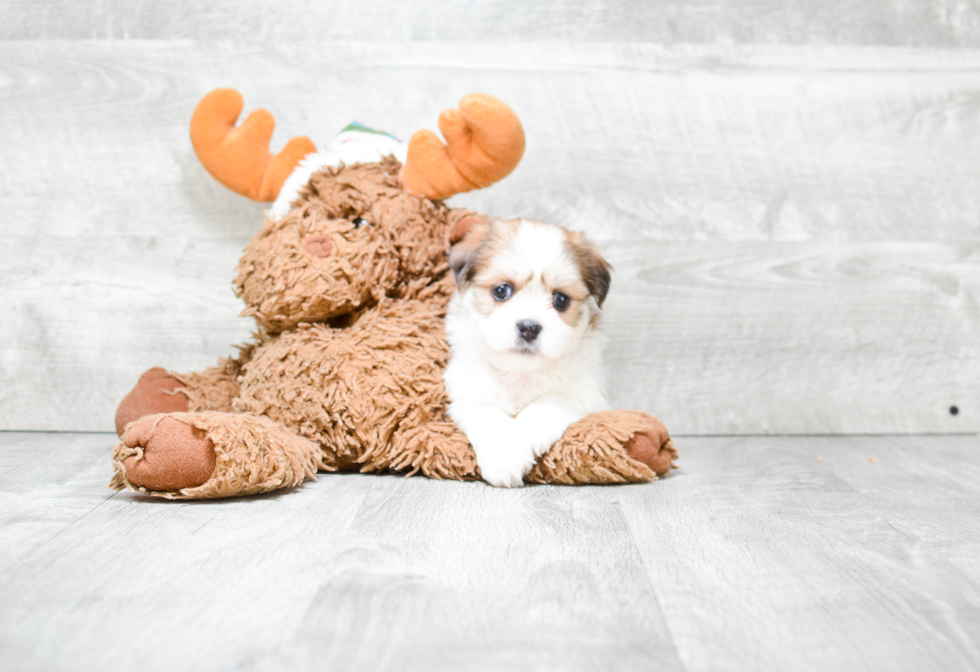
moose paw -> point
(155, 392)
(653, 447)
(170, 455)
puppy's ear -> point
(466, 236)
(461, 222)
(594, 269)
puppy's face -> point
(532, 290)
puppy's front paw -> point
(504, 466)
(503, 453)
(542, 424)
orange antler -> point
(484, 143)
(239, 157)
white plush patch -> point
(348, 147)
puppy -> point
(525, 350)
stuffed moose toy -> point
(348, 281)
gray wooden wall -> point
(789, 191)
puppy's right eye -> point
(503, 292)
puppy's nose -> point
(529, 330)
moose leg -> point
(436, 449)
(608, 447)
(159, 391)
(209, 455)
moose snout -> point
(529, 330)
(318, 245)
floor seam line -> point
(653, 587)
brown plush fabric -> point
(594, 450)
(396, 251)
(352, 389)
(437, 450)
(156, 392)
(214, 389)
(250, 455)
(346, 370)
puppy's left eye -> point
(358, 222)
(560, 301)
(503, 292)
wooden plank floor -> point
(844, 553)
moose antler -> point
(239, 157)
(484, 143)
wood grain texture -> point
(783, 195)
(805, 554)
(758, 553)
(355, 573)
(635, 141)
(47, 484)
(797, 338)
(906, 23)
(715, 338)
(84, 317)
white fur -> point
(513, 406)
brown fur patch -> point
(463, 226)
(472, 258)
(463, 254)
(594, 269)
(573, 313)
(474, 253)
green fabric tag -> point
(357, 126)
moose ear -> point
(466, 237)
